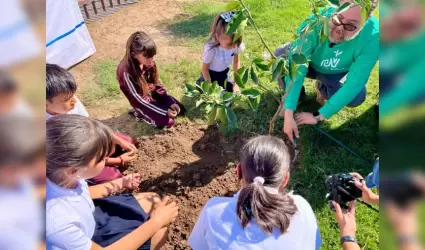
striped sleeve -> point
(136, 100)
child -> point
(262, 215)
(10, 102)
(219, 51)
(139, 80)
(77, 148)
(61, 99)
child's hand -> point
(236, 88)
(367, 195)
(128, 157)
(127, 146)
(172, 113)
(131, 181)
(175, 107)
(165, 213)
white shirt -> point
(70, 223)
(78, 109)
(21, 215)
(219, 228)
(219, 58)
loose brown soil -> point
(191, 163)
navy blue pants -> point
(330, 84)
(220, 78)
(116, 216)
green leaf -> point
(205, 86)
(277, 68)
(190, 87)
(251, 93)
(231, 117)
(238, 80)
(233, 5)
(294, 69)
(261, 64)
(254, 103)
(299, 59)
(228, 96)
(240, 30)
(334, 3)
(199, 102)
(242, 103)
(235, 22)
(322, 4)
(222, 115)
(343, 7)
(254, 76)
(245, 76)
(212, 88)
(212, 115)
(209, 107)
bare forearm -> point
(113, 161)
(135, 239)
(106, 189)
(350, 246)
(206, 72)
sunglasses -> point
(347, 26)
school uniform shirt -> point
(78, 109)
(70, 223)
(219, 228)
(21, 215)
(220, 58)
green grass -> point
(357, 127)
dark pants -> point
(116, 216)
(329, 84)
(220, 78)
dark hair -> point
(74, 141)
(58, 81)
(219, 27)
(22, 140)
(7, 84)
(140, 43)
(266, 157)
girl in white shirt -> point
(262, 215)
(77, 147)
(219, 52)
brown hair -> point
(140, 43)
(218, 28)
(266, 157)
(74, 141)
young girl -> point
(262, 215)
(219, 51)
(77, 147)
(139, 80)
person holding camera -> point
(347, 219)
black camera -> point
(342, 189)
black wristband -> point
(348, 239)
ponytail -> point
(260, 200)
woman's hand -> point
(290, 127)
(305, 118)
(346, 219)
(367, 195)
(175, 107)
(172, 113)
(165, 212)
(131, 181)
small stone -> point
(198, 184)
(202, 146)
(230, 164)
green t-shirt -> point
(357, 57)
